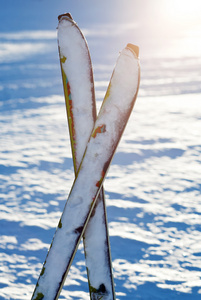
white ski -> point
(108, 129)
(79, 94)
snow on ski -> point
(108, 129)
(81, 112)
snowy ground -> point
(153, 188)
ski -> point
(108, 129)
(79, 95)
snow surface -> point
(153, 187)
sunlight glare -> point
(183, 9)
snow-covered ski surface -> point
(75, 64)
(80, 101)
(153, 186)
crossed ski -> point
(85, 211)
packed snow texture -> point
(153, 187)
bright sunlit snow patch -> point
(132, 232)
(34, 244)
(8, 242)
(15, 267)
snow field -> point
(152, 188)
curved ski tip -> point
(134, 49)
(67, 15)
